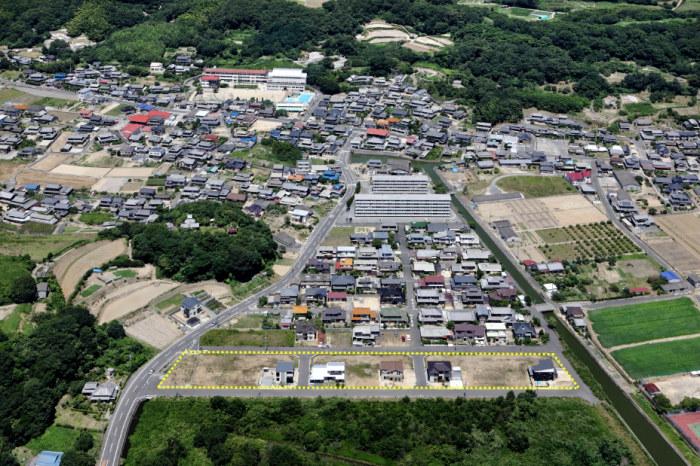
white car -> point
(408, 337)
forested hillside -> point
(502, 60)
(506, 430)
(58, 356)
(197, 255)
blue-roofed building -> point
(670, 276)
(49, 458)
(32, 187)
(146, 107)
(331, 175)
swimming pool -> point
(305, 97)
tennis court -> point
(689, 425)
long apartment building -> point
(278, 79)
(390, 184)
(402, 205)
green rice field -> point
(670, 357)
(636, 323)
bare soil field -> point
(639, 268)
(98, 157)
(9, 168)
(419, 48)
(443, 40)
(544, 212)
(110, 185)
(339, 339)
(381, 40)
(235, 369)
(217, 290)
(264, 126)
(63, 116)
(363, 371)
(429, 41)
(676, 255)
(142, 173)
(387, 33)
(677, 387)
(181, 374)
(364, 300)
(106, 251)
(51, 161)
(81, 171)
(131, 186)
(62, 264)
(128, 304)
(31, 176)
(685, 229)
(492, 371)
(61, 140)
(155, 331)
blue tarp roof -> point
(669, 275)
(146, 107)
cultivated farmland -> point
(535, 186)
(669, 357)
(585, 241)
(637, 323)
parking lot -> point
(391, 338)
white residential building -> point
(286, 79)
(402, 205)
(330, 372)
(388, 184)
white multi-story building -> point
(238, 77)
(286, 79)
(402, 205)
(278, 79)
(330, 372)
(388, 184)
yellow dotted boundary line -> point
(378, 353)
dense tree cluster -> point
(58, 356)
(424, 432)
(16, 282)
(193, 255)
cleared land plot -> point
(363, 371)
(18, 97)
(37, 247)
(253, 321)
(492, 371)
(544, 212)
(554, 235)
(264, 125)
(64, 116)
(106, 251)
(42, 178)
(155, 331)
(387, 33)
(233, 337)
(128, 304)
(229, 369)
(81, 171)
(636, 323)
(685, 229)
(677, 387)
(131, 172)
(535, 186)
(9, 168)
(665, 358)
(339, 339)
(51, 161)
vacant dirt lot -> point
(677, 387)
(339, 339)
(639, 268)
(35, 177)
(155, 331)
(544, 212)
(181, 374)
(51, 161)
(387, 33)
(364, 300)
(9, 168)
(128, 304)
(106, 251)
(68, 258)
(235, 369)
(685, 229)
(81, 171)
(142, 173)
(676, 255)
(264, 126)
(110, 185)
(492, 371)
(363, 371)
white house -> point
(330, 372)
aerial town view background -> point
(397, 233)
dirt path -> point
(105, 252)
(128, 304)
(660, 340)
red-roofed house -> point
(337, 296)
(528, 262)
(639, 290)
(139, 119)
(85, 113)
(153, 113)
(211, 137)
(433, 281)
(131, 128)
(576, 178)
(380, 133)
(652, 389)
(209, 81)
